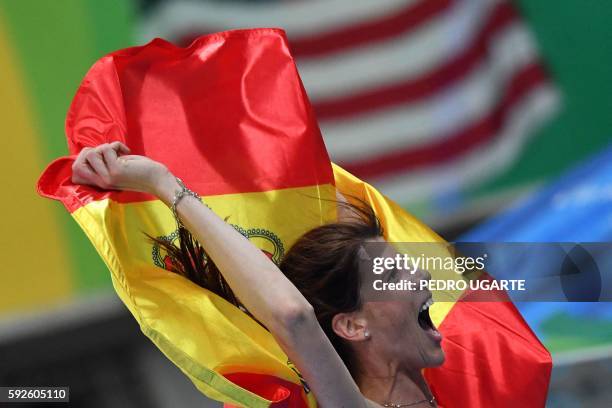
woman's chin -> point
(436, 358)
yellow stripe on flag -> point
(36, 271)
(171, 309)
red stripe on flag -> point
(221, 130)
(362, 33)
(428, 84)
(282, 393)
(453, 145)
(491, 353)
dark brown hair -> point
(322, 264)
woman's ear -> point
(350, 326)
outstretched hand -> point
(110, 166)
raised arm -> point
(253, 277)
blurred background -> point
(489, 119)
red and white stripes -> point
(418, 96)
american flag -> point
(419, 97)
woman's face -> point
(400, 328)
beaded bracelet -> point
(178, 196)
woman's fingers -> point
(110, 158)
(94, 158)
(78, 162)
(105, 166)
(99, 166)
(82, 173)
(120, 147)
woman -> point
(352, 353)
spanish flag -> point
(229, 115)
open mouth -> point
(425, 321)
(423, 318)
